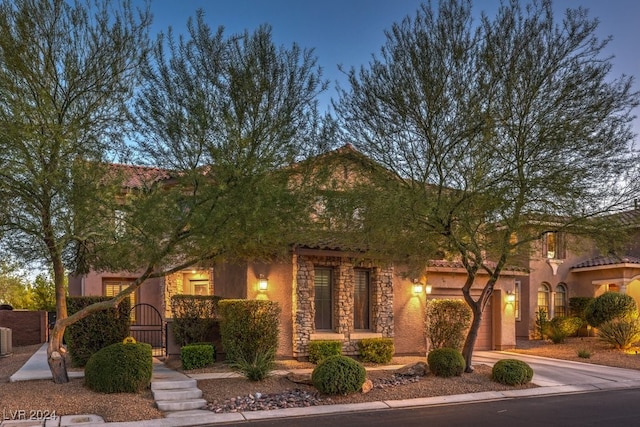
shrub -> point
(376, 350)
(447, 322)
(321, 349)
(338, 375)
(249, 330)
(194, 317)
(256, 369)
(584, 353)
(196, 356)
(560, 327)
(620, 333)
(542, 323)
(96, 331)
(609, 306)
(511, 372)
(446, 362)
(120, 368)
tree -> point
(43, 293)
(14, 289)
(495, 132)
(67, 72)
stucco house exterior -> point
(326, 292)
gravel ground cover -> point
(239, 394)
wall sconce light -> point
(417, 287)
(429, 289)
(510, 298)
(263, 283)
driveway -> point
(556, 372)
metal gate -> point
(147, 326)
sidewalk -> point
(551, 375)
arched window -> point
(543, 298)
(560, 302)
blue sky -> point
(348, 32)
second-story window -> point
(553, 245)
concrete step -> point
(183, 405)
(177, 394)
(189, 413)
(173, 384)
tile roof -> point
(608, 260)
(139, 176)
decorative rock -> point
(367, 386)
(412, 370)
(300, 378)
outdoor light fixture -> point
(263, 283)
(510, 298)
(417, 287)
(429, 288)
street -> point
(610, 408)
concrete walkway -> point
(552, 376)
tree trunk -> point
(56, 355)
(470, 341)
(55, 351)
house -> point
(328, 291)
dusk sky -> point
(348, 32)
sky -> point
(348, 32)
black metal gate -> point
(147, 326)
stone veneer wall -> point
(343, 294)
(174, 285)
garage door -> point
(485, 333)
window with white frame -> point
(543, 298)
(560, 301)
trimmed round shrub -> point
(338, 375)
(609, 306)
(446, 362)
(511, 372)
(120, 368)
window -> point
(560, 301)
(362, 300)
(111, 288)
(553, 245)
(199, 286)
(516, 304)
(543, 298)
(323, 299)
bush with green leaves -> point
(249, 331)
(561, 327)
(511, 372)
(376, 350)
(542, 323)
(609, 306)
(321, 349)
(338, 375)
(96, 331)
(256, 369)
(446, 362)
(194, 317)
(120, 368)
(620, 333)
(195, 356)
(447, 322)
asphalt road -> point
(603, 408)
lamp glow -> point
(263, 283)
(510, 298)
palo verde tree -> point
(67, 72)
(494, 129)
(230, 115)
